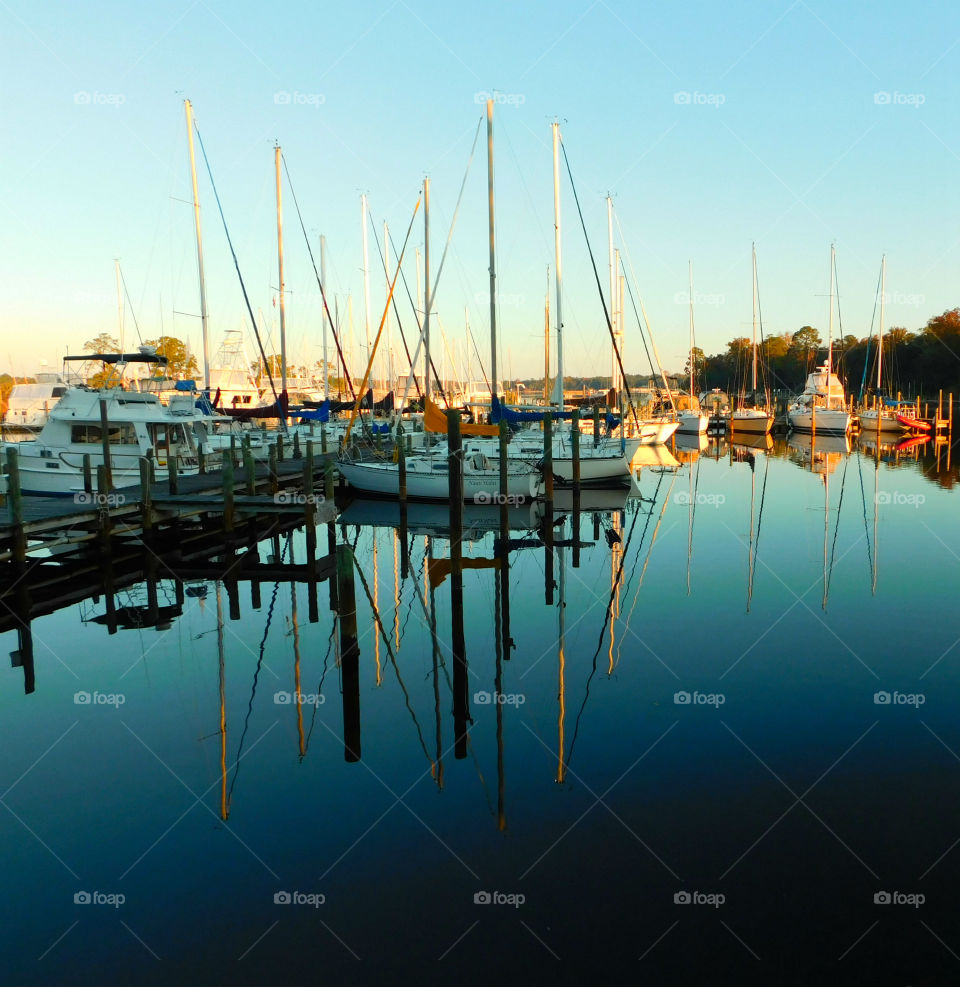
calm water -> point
(692, 774)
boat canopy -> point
(120, 358)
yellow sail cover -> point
(435, 420)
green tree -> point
(180, 361)
(104, 343)
(699, 362)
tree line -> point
(922, 362)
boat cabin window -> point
(58, 392)
(165, 436)
(123, 434)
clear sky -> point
(793, 124)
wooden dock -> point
(301, 486)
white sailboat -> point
(822, 406)
(753, 420)
(692, 420)
(879, 419)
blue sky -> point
(793, 124)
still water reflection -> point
(706, 723)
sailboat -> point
(821, 407)
(753, 420)
(692, 420)
(883, 418)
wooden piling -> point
(15, 506)
(172, 479)
(228, 494)
(146, 495)
(87, 474)
(575, 446)
(548, 457)
(250, 471)
(280, 448)
(596, 425)
(349, 654)
(296, 445)
(105, 443)
(272, 454)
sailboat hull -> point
(755, 423)
(826, 421)
(428, 479)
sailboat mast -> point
(883, 291)
(426, 291)
(116, 265)
(613, 291)
(558, 387)
(386, 271)
(196, 223)
(690, 298)
(833, 267)
(283, 324)
(546, 341)
(323, 279)
(753, 250)
(366, 274)
(493, 269)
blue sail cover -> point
(321, 414)
(501, 412)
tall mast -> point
(493, 269)
(546, 341)
(283, 324)
(833, 267)
(116, 264)
(323, 279)
(196, 223)
(426, 291)
(883, 291)
(558, 387)
(690, 298)
(613, 291)
(753, 249)
(366, 274)
(386, 271)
